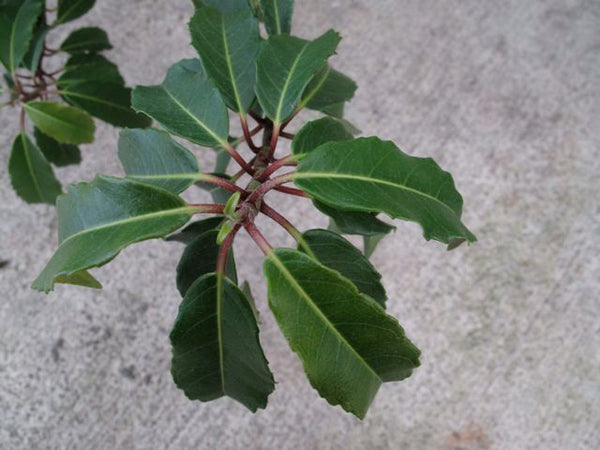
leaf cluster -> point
(325, 294)
(88, 84)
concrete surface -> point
(505, 95)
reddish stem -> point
(224, 249)
(247, 135)
(258, 237)
(289, 136)
(274, 140)
(277, 164)
(291, 191)
(238, 158)
(223, 183)
(268, 185)
(207, 208)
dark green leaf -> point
(64, 123)
(88, 39)
(151, 156)
(228, 45)
(193, 230)
(371, 175)
(285, 66)
(97, 220)
(370, 244)
(55, 152)
(245, 288)
(187, 104)
(355, 222)
(109, 102)
(216, 350)
(72, 9)
(31, 60)
(200, 258)
(223, 5)
(335, 252)
(329, 91)
(10, 85)
(17, 26)
(347, 343)
(319, 132)
(222, 162)
(84, 68)
(30, 174)
(277, 15)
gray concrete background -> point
(505, 95)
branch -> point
(222, 183)
(207, 208)
(257, 236)
(289, 160)
(291, 191)
(224, 249)
(270, 184)
(247, 135)
(238, 158)
(288, 226)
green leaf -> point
(225, 6)
(200, 258)
(72, 9)
(17, 24)
(151, 156)
(88, 39)
(232, 204)
(110, 102)
(216, 350)
(335, 252)
(56, 152)
(370, 244)
(187, 104)
(371, 175)
(193, 230)
(329, 91)
(347, 343)
(228, 45)
(97, 220)
(62, 122)
(32, 58)
(222, 162)
(285, 66)
(30, 173)
(355, 222)
(320, 131)
(82, 278)
(278, 15)
(84, 68)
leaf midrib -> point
(236, 92)
(287, 83)
(296, 286)
(53, 118)
(309, 175)
(91, 98)
(140, 218)
(28, 160)
(220, 291)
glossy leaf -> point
(218, 194)
(83, 68)
(347, 343)
(277, 15)
(72, 9)
(329, 91)
(355, 222)
(285, 66)
(64, 123)
(216, 350)
(371, 175)
(319, 132)
(30, 174)
(97, 220)
(370, 244)
(151, 156)
(82, 278)
(223, 5)
(228, 45)
(110, 102)
(200, 258)
(187, 104)
(193, 230)
(88, 39)
(335, 252)
(31, 60)
(56, 152)
(17, 26)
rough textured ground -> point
(505, 96)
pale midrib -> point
(51, 117)
(236, 92)
(310, 175)
(286, 85)
(94, 99)
(67, 12)
(171, 176)
(277, 18)
(314, 307)
(318, 87)
(28, 160)
(220, 289)
(80, 44)
(129, 220)
(221, 142)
